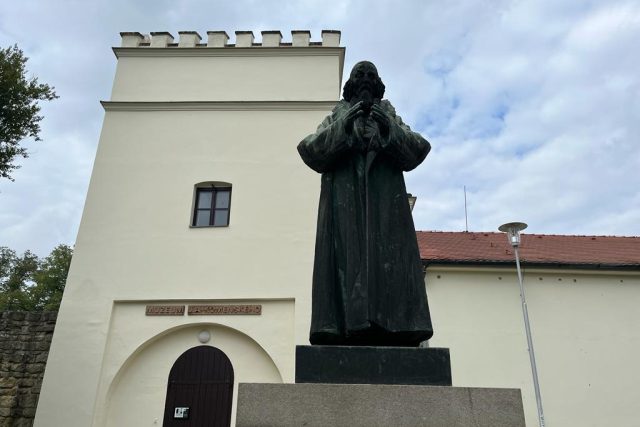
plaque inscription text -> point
(225, 309)
(165, 310)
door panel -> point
(201, 380)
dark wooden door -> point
(202, 381)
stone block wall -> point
(25, 338)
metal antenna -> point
(466, 223)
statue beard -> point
(365, 95)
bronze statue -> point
(368, 286)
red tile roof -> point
(438, 247)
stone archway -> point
(138, 391)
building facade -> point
(198, 233)
(582, 295)
(185, 117)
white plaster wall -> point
(251, 76)
(135, 242)
(139, 205)
(585, 334)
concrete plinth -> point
(373, 405)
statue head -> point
(364, 83)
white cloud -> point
(546, 122)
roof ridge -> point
(530, 234)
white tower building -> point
(199, 222)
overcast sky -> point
(534, 106)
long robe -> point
(368, 286)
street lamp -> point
(513, 235)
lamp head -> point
(513, 232)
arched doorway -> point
(200, 389)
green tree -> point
(28, 283)
(50, 279)
(19, 108)
(16, 275)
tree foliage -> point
(19, 108)
(16, 276)
(28, 283)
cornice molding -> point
(530, 269)
(227, 51)
(219, 106)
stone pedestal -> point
(375, 386)
(372, 365)
(374, 405)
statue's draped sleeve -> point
(407, 149)
(321, 150)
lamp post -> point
(513, 235)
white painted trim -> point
(230, 51)
(511, 268)
(219, 106)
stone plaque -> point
(165, 310)
(225, 309)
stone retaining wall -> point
(24, 346)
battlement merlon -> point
(220, 39)
(156, 68)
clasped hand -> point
(377, 113)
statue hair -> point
(378, 89)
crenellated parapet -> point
(196, 67)
(220, 39)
